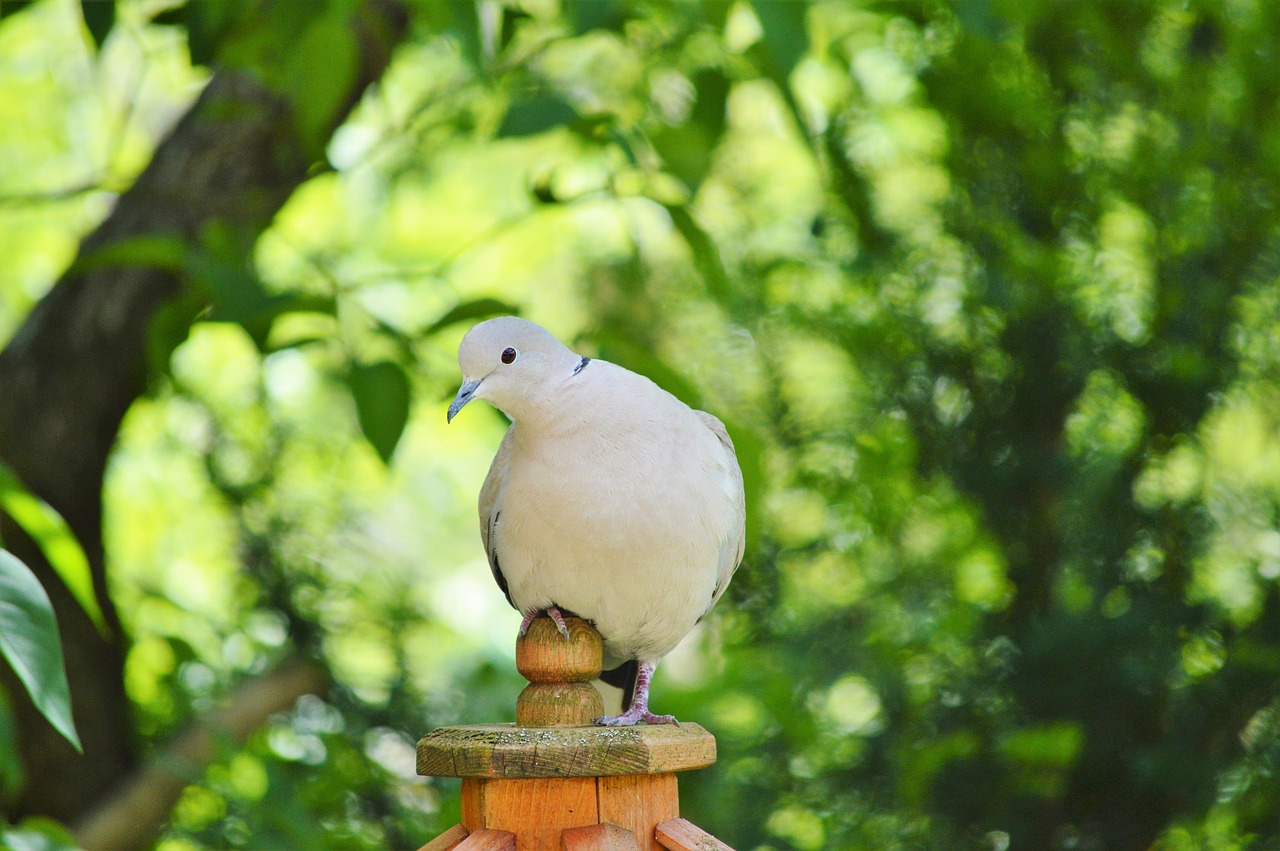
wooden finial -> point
(559, 672)
(531, 787)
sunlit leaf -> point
(30, 643)
(38, 834)
(54, 538)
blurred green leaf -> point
(54, 538)
(382, 394)
(596, 14)
(320, 70)
(536, 114)
(99, 17)
(29, 641)
(10, 7)
(458, 21)
(38, 834)
(208, 25)
(173, 16)
(153, 252)
(785, 35)
(687, 149)
(469, 310)
(706, 254)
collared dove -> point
(608, 498)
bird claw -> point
(551, 612)
(634, 716)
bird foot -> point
(634, 716)
(551, 612)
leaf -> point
(9, 7)
(472, 310)
(536, 115)
(174, 16)
(596, 15)
(38, 834)
(208, 24)
(706, 254)
(320, 71)
(460, 21)
(687, 149)
(29, 641)
(381, 392)
(99, 17)
(224, 269)
(55, 539)
(785, 37)
(167, 253)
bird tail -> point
(621, 678)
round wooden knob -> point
(543, 655)
(559, 672)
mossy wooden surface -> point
(505, 750)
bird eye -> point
(508, 355)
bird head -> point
(509, 362)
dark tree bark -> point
(80, 360)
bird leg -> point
(551, 612)
(639, 709)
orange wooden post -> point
(553, 780)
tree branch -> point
(131, 819)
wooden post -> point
(554, 781)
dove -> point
(608, 498)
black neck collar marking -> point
(585, 360)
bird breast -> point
(626, 528)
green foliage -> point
(30, 644)
(37, 834)
(55, 539)
(381, 393)
(986, 292)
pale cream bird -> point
(608, 498)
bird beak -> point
(465, 394)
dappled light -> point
(987, 296)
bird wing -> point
(731, 554)
(491, 507)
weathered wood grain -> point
(489, 840)
(535, 810)
(639, 802)
(448, 840)
(598, 837)
(683, 835)
(504, 750)
(558, 705)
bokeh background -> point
(987, 292)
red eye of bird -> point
(508, 355)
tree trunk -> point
(80, 360)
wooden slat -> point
(489, 840)
(536, 809)
(504, 750)
(448, 840)
(638, 802)
(598, 837)
(680, 834)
